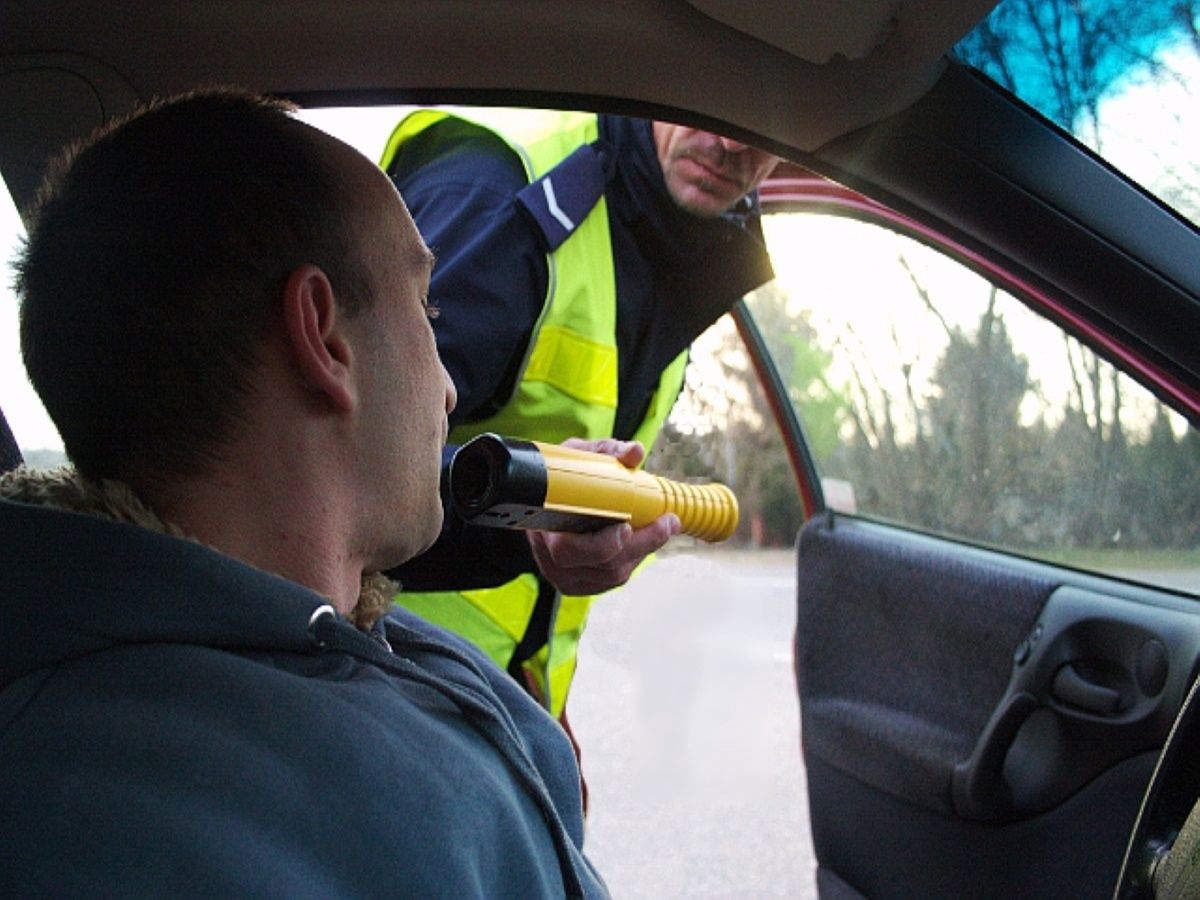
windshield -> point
(1122, 77)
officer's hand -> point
(600, 560)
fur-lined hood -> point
(64, 488)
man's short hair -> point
(152, 273)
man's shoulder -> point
(457, 151)
(451, 646)
(161, 739)
(451, 656)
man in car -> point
(578, 258)
(223, 310)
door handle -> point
(977, 786)
(1073, 689)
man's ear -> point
(316, 336)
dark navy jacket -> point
(171, 725)
(676, 274)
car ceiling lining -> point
(821, 31)
(603, 49)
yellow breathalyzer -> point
(509, 483)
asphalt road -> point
(686, 709)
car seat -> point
(1163, 857)
(10, 453)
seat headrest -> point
(10, 453)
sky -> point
(28, 421)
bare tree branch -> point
(1075, 380)
(924, 294)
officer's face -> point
(706, 174)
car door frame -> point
(795, 189)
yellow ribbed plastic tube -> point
(582, 482)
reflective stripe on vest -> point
(567, 385)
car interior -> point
(987, 709)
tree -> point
(975, 436)
(1066, 58)
(739, 442)
(969, 444)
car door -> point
(997, 578)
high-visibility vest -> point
(567, 386)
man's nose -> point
(732, 146)
(451, 392)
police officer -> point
(578, 258)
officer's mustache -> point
(714, 156)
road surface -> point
(686, 709)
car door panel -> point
(1102, 678)
(898, 700)
(944, 699)
(880, 846)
